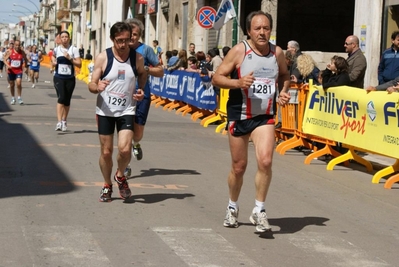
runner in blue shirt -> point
(154, 68)
(35, 57)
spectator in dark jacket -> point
(388, 69)
(356, 61)
(295, 50)
(336, 73)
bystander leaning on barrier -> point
(390, 87)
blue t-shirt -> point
(172, 61)
(150, 59)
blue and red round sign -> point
(205, 17)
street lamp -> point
(25, 8)
(38, 9)
(13, 10)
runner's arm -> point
(96, 86)
(157, 69)
(142, 73)
(5, 59)
(229, 64)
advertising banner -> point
(352, 116)
(188, 87)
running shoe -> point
(260, 220)
(231, 219)
(20, 101)
(128, 171)
(137, 152)
(33, 85)
(63, 126)
(12, 101)
(124, 190)
(58, 126)
(106, 192)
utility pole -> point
(133, 7)
(235, 24)
(91, 17)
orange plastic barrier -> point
(46, 61)
(292, 118)
(220, 115)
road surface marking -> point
(63, 246)
(100, 184)
(334, 250)
(202, 247)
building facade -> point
(319, 26)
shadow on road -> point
(290, 225)
(155, 172)
(24, 164)
(154, 198)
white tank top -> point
(259, 99)
(117, 98)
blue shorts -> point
(13, 76)
(142, 110)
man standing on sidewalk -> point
(154, 68)
(114, 80)
(356, 60)
(257, 69)
(14, 60)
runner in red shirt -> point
(15, 59)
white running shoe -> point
(63, 126)
(231, 219)
(20, 101)
(12, 101)
(33, 85)
(58, 126)
(260, 220)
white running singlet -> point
(117, 98)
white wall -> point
(369, 13)
(114, 14)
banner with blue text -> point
(354, 117)
(188, 87)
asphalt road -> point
(50, 214)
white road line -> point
(336, 251)
(63, 246)
(202, 247)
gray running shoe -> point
(260, 220)
(20, 101)
(231, 218)
(137, 152)
(128, 171)
(12, 101)
(106, 192)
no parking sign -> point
(205, 17)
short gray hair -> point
(294, 44)
(136, 23)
